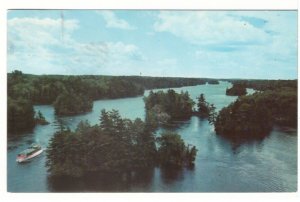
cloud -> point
(206, 28)
(253, 62)
(112, 21)
(39, 45)
(40, 31)
(248, 44)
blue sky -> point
(215, 44)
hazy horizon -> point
(191, 44)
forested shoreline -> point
(71, 95)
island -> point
(237, 89)
(163, 107)
(126, 147)
(255, 115)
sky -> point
(211, 44)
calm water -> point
(267, 165)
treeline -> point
(45, 89)
(167, 82)
(72, 95)
(115, 145)
(255, 115)
(262, 85)
(213, 82)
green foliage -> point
(206, 110)
(69, 103)
(212, 117)
(254, 115)
(161, 107)
(237, 89)
(20, 115)
(116, 145)
(165, 82)
(173, 151)
(74, 94)
(203, 106)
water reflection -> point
(103, 182)
(236, 143)
(171, 174)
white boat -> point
(33, 151)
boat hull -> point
(20, 160)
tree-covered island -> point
(163, 107)
(115, 145)
(255, 115)
(237, 89)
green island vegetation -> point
(255, 115)
(206, 110)
(116, 145)
(237, 89)
(71, 95)
(163, 107)
(70, 103)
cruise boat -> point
(33, 151)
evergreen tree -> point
(203, 106)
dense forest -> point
(20, 115)
(166, 82)
(115, 145)
(72, 95)
(255, 115)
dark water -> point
(267, 165)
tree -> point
(212, 117)
(203, 106)
(125, 148)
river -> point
(267, 165)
